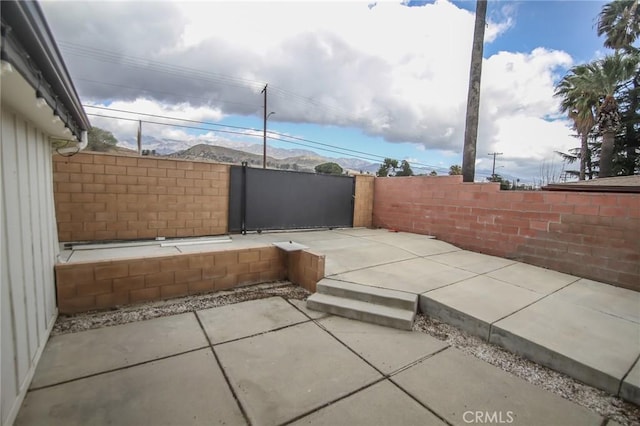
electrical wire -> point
(281, 136)
(164, 92)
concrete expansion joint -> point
(528, 305)
(633, 364)
(112, 370)
(242, 409)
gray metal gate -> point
(263, 199)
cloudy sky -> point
(385, 78)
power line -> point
(186, 72)
(225, 131)
(343, 151)
(164, 92)
(146, 64)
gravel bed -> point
(98, 319)
(611, 407)
(594, 399)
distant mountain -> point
(237, 152)
(233, 156)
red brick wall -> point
(106, 197)
(591, 235)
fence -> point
(591, 235)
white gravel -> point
(611, 407)
(594, 399)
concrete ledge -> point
(630, 388)
(554, 360)
(452, 316)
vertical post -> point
(493, 170)
(473, 97)
(139, 137)
(264, 128)
(243, 200)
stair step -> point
(362, 311)
(365, 293)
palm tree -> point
(619, 21)
(596, 84)
(580, 108)
(473, 98)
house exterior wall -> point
(29, 246)
(591, 235)
(102, 197)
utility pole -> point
(264, 137)
(139, 138)
(493, 170)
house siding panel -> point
(28, 248)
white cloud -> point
(393, 71)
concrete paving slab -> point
(476, 303)
(380, 404)
(420, 245)
(361, 232)
(244, 319)
(630, 389)
(458, 386)
(75, 355)
(302, 305)
(284, 374)
(589, 345)
(471, 261)
(386, 349)
(540, 280)
(187, 389)
(413, 276)
(361, 254)
(616, 301)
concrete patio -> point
(270, 362)
(275, 362)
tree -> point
(580, 109)
(100, 140)
(329, 168)
(505, 184)
(595, 85)
(455, 170)
(388, 167)
(433, 173)
(619, 22)
(405, 169)
(473, 98)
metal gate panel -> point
(262, 199)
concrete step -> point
(365, 293)
(362, 311)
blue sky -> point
(388, 79)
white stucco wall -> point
(28, 250)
